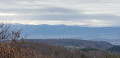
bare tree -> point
(6, 32)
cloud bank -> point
(93, 13)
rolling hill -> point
(75, 43)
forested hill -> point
(74, 43)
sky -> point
(92, 13)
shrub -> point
(11, 44)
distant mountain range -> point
(110, 34)
(74, 43)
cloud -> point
(68, 12)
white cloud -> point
(8, 14)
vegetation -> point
(114, 49)
(10, 47)
(89, 49)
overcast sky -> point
(93, 13)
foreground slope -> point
(48, 51)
